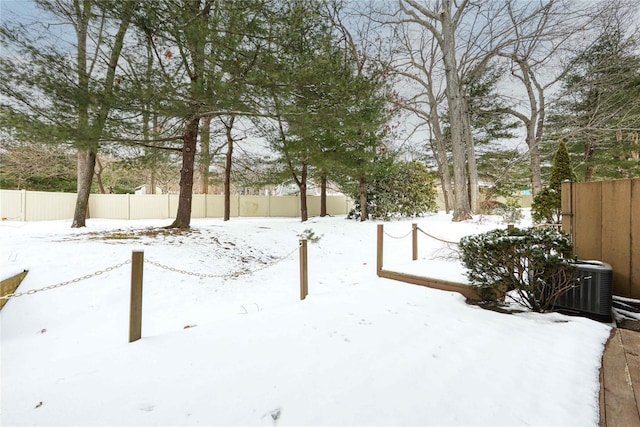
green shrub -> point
(546, 207)
(510, 212)
(535, 263)
(547, 204)
(404, 189)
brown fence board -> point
(616, 239)
(635, 240)
(603, 219)
(568, 196)
(587, 238)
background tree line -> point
(274, 90)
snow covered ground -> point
(219, 348)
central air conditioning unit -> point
(591, 296)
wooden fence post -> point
(414, 234)
(304, 273)
(379, 249)
(567, 208)
(135, 311)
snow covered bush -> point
(533, 265)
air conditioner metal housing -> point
(592, 295)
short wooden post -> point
(510, 226)
(414, 234)
(379, 249)
(135, 312)
(304, 273)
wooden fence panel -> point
(616, 238)
(635, 240)
(588, 220)
(568, 196)
(603, 219)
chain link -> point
(400, 237)
(219, 276)
(68, 282)
(157, 264)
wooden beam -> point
(135, 308)
(304, 270)
(620, 404)
(443, 285)
(631, 343)
(9, 286)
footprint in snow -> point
(274, 415)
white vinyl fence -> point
(21, 205)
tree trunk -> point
(534, 123)
(323, 196)
(462, 208)
(472, 168)
(634, 154)
(590, 168)
(183, 215)
(364, 215)
(82, 201)
(302, 185)
(205, 162)
(440, 151)
(92, 138)
(445, 175)
(227, 170)
(534, 165)
(82, 166)
(447, 189)
(534, 149)
(98, 172)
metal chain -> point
(176, 270)
(438, 238)
(219, 276)
(395, 237)
(165, 267)
(68, 282)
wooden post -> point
(304, 273)
(379, 250)
(567, 208)
(414, 234)
(135, 312)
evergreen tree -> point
(330, 108)
(65, 94)
(547, 204)
(399, 188)
(599, 108)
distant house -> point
(290, 188)
(145, 189)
